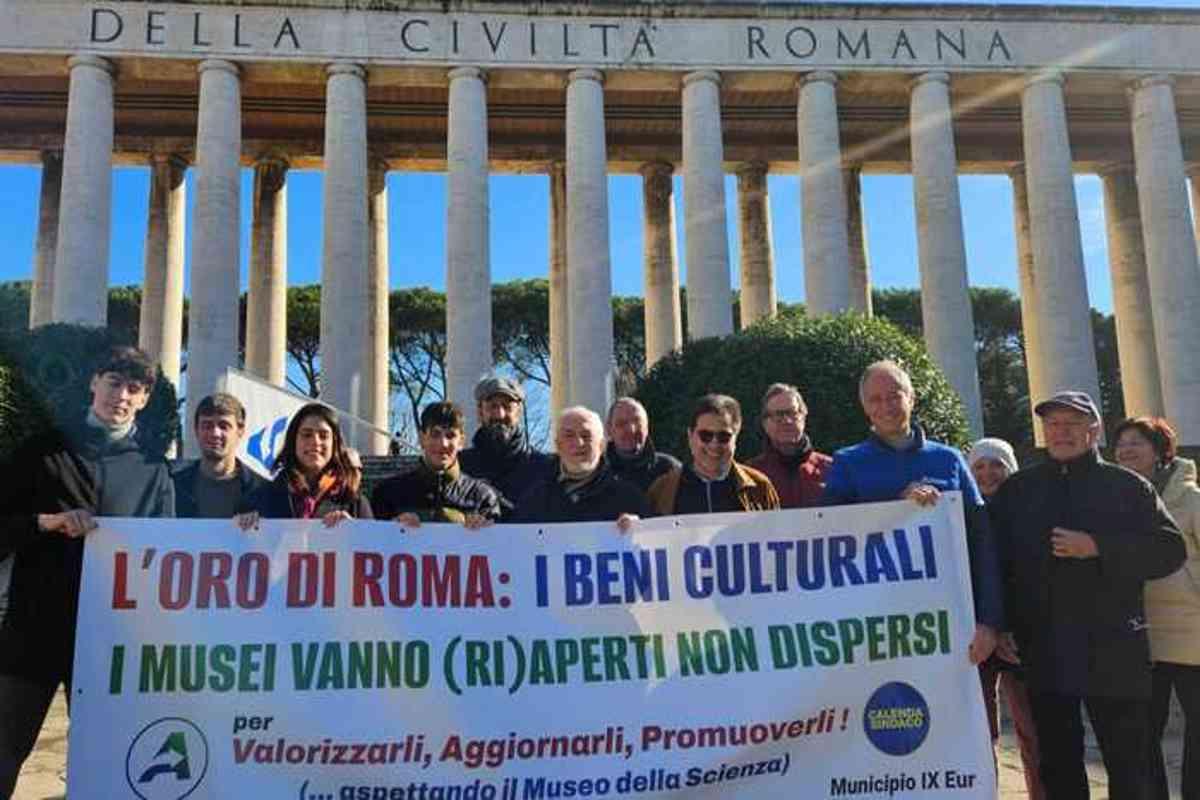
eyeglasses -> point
(722, 437)
(785, 415)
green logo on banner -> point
(167, 760)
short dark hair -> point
(720, 404)
(221, 404)
(442, 415)
(130, 363)
(1156, 430)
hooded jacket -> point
(799, 479)
(644, 468)
(51, 474)
(1080, 623)
(505, 459)
(1173, 602)
(602, 498)
(446, 496)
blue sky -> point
(519, 222)
(519, 229)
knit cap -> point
(996, 449)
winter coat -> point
(275, 500)
(1080, 623)
(873, 471)
(752, 490)
(1173, 602)
(51, 474)
(185, 482)
(800, 479)
(644, 468)
(510, 465)
(602, 499)
(446, 496)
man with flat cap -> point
(1079, 538)
(501, 453)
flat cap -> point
(498, 385)
(1076, 401)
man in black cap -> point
(1079, 537)
(501, 453)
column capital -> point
(345, 68)
(1016, 170)
(557, 167)
(89, 60)
(273, 172)
(466, 72)
(752, 169)
(657, 169)
(585, 75)
(1115, 168)
(936, 76)
(1192, 170)
(1045, 76)
(377, 172)
(219, 64)
(820, 76)
(1150, 81)
(48, 156)
(702, 75)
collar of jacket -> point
(589, 486)
(918, 440)
(92, 443)
(447, 475)
(741, 479)
(1080, 464)
(803, 450)
(643, 460)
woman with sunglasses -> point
(1146, 445)
(315, 477)
(713, 482)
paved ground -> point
(42, 778)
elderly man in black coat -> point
(1079, 538)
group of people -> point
(1082, 571)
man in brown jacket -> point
(713, 482)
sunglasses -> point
(722, 437)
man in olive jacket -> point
(1079, 537)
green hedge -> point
(45, 378)
(824, 357)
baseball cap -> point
(498, 385)
(1076, 401)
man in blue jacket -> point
(897, 462)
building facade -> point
(581, 90)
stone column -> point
(709, 295)
(345, 285)
(754, 230)
(1031, 312)
(160, 329)
(266, 298)
(1171, 258)
(660, 270)
(468, 258)
(560, 345)
(41, 295)
(378, 324)
(216, 227)
(1138, 356)
(946, 317)
(1065, 330)
(822, 197)
(590, 281)
(81, 250)
(856, 234)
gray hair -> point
(887, 367)
(776, 389)
(625, 401)
(584, 412)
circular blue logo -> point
(896, 719)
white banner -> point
(269, 408)
(798, 654)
